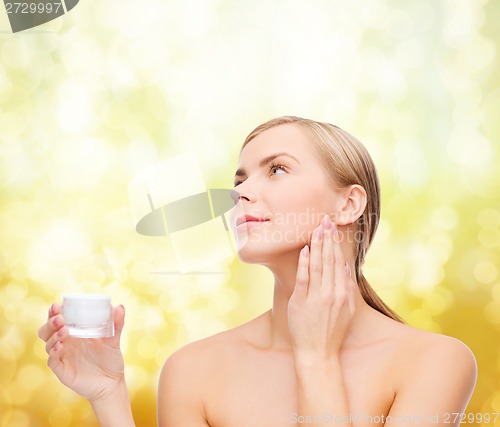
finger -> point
(315, 265)
(328, 257)
(119, 323)
(302, 277)
(53, 324)
(55, 357)
(54, 310)
(58, 336)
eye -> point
(276, 166)
(272, 167)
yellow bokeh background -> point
(90, 99)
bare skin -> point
(241, 379)
(321, 349)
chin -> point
(255, 249)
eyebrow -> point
(265, 161)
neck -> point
(284, 284)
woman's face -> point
(281, 182)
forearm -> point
(114, 410)
(322, 398)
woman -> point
(329, 351)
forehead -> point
(289, 138)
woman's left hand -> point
(323, 302)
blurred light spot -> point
(489, 218)
(147, 347)
(390, 82)
(401, 24)
(5, 87)
(426, 270)
(16, 291)
(60, 417)
(495, 402)
(435, 303)
(444, 218)
(489, 237)
(410, 53)
(137, 377)
(224, 302)
(15, 417)
(13, 312)
(199, 324)
(469, 148)
(62, 243)
(476, 55)
(9, 365)
(39, 349)
(411, 164)
(485, 271)
(14, 341)
(15, 52)
(75, 104)
(421, 319)
(442, 246)
(79, 164)
(462, 21)
(492, 312)
(18, 166)
(122, 74)
(380, 115)
(19, 393)
(163, 353)
(153, 317)
(375, 15)
(495, 292)
(31, 376)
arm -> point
(93, 368)
(180, 390)
(319, 313)
(438, 388)
(114, 410)
(432, 387)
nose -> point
(237, 195)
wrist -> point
(308, 358)
(117, 393)
(308, 364)
(113, 408)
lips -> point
(249, 218)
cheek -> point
(306, 211)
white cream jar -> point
(88, 315)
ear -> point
(351, 204)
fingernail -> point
(326, 222)
(305, 251)
(60, 332)
(57, 320)
(348, 269)
(318, 233)
(335, 230)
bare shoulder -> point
(434, 356)
(424, 344)
(210, 349)
(186, 379)
(197, 359)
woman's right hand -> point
(92, 367)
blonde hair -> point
(347, 162)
